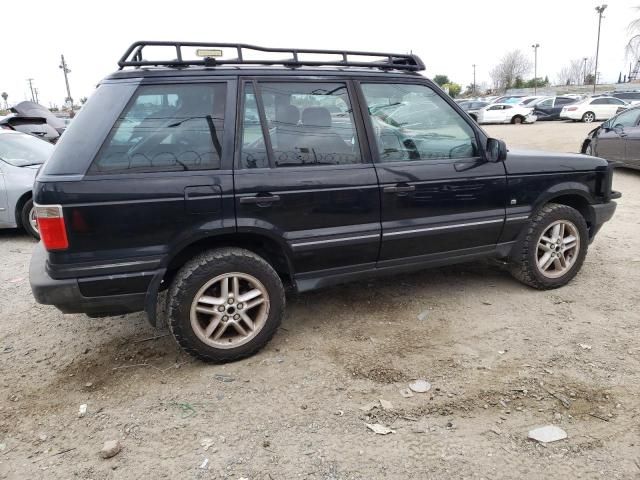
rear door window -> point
(308, 123)
(167, 128)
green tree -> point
(441, 79)
(454, 89)
(518, 83)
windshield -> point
(23, 150)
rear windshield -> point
(23, 150)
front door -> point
(4, 212)
(614, 135)
(440, 198)
(304, 174)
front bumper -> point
(602, 213)
(531, 118)
(66, 296)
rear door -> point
(440, 198)
(304, 174)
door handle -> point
(260, 200)
(399, 189)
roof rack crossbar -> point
(133, 57)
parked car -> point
(631, 98)
(592, 109)
(21, 156)
(550, 108)
(617, 139)
(472, 108)
(530, 101)
(160, 184)
(505, 113)
(515, 99)
(34, 119)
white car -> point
(505, 113)
(592, 109)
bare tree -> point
(513, 65)
(576, 71)
(4, 96)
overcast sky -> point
(449, 36)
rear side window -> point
(166, 128)
(308, 123)
(412, 122)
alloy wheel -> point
(558, 249)
(229, 310)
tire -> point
(190, 327)
(528, 253)
(517, 120)
(475, 117)
(27, 219)
(588, 149)
(588, 117)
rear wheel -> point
(28, 219)
(588, 117)
(553, 248)
(517, 120)
(588, 149)
(225, 305)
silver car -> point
(21, 156)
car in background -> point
(472, 107)
(530, 101)
(505, 113)
(592, 109)
(34, 119)
(631, 98)
(550, 107)
(21, 155)
(617, 139)
(509, 99)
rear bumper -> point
(66, 295)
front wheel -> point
(225, 304)
(28, 218)
(517, 120)
(553, 248)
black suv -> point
(225, 180)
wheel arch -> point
(574, 195)
(266, 246)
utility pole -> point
(535, 67)
(65, 69)
(600, 11)
(30, 80)
(35, 91)
(473, 89)
(584, 75)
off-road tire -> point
(198, 271)
(523, 261)
(25, 215)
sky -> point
(448, 36)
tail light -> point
(571, 109)
(51, 226)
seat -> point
(319, 136)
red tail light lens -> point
(51, 226)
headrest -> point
(288, 114)
(316, 117)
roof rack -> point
(133, 57)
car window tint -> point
(546, 103)
(627, 119)
(412, 122)
(563, 101)
(616, 101)
(600, 101)
(167, 128)
(309, 123)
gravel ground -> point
(502, 359)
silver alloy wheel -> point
(32, 219)
(229, 310)
(558, 249)
(589, 117)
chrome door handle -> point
(399, 189)
(260, 200)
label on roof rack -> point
(208, 52)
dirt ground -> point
(502, 359)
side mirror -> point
(618, 129)
(496, 150)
